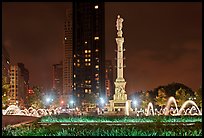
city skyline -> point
(162, 41)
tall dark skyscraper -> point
(109, 79)
(88, 51)
(68, 56)
(57, 84)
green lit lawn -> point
(146, 129)
(121, 119)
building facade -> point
(57, 79)
(25, 76)
(68, 56)
(88, 52)
(19, 85)
(109, 79)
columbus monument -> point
(120, 102)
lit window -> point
(97, 66)
(7, 62)
(96, 38)
(65, 38)
(78, 60)
(86, 51)
(89, 64)
(86, 90)
(89, 59)
(96, 6)
(78, 64)
(89, 51)
(96, 75)
(74, 64)
(85, 42)
(89, 55)
(86, 59)
(86, 81)
(74, 55)
(74, 76)
(96, 50)
(89, 90)
(86, 64)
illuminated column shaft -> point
(120, 50)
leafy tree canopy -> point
(172, 88)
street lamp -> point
(72, 103)
(102, 101)
(135, 104)
(48, 100)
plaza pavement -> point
(16, 120)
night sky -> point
(162, 40)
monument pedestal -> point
(120, 104)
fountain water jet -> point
(12, 109)
(186, 103)
(170, 100)
(150, 106)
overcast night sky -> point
(163, 41)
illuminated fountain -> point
(12, 109)
(168, 110)
(169, 102)
(15, 110)
(185, 105)
(191, 110)
(150, 108)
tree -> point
(35, 98)
(181, 96)
(198, 96)
(90, 98)
(5, 90)
(172, 88)
(145, 99)
(161, 98)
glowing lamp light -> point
(102, 100)
(135, 103)
(71, 101)
(48, 100)
(96, 6)
(62, 102)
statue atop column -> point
(119, 26)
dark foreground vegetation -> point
(153, 126)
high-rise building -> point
(89, 51)
(67, 56)
(19, 77)
(57, 79)
(109, 79)
(25, 74)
